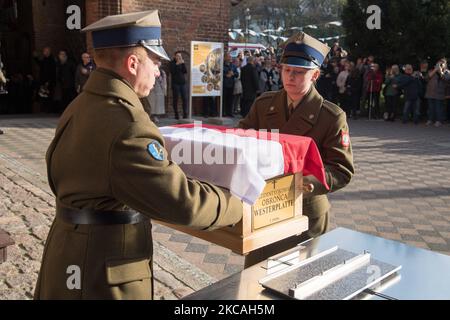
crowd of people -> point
(57, 82)
(247, 76)
(358, 86)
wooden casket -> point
(274, 210)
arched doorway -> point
(15, 50)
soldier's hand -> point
(308, 187)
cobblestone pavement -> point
(27, 210)
(401, 191)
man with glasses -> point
(300, 110)
(110, 173)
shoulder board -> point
(267, 95)
(332, 108)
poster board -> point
(206, 70)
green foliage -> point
(411, 30)
(269, 14)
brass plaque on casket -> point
(275, 204)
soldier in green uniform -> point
(110, 173)
(299, 109)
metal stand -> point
(333, 274)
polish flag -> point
(240, 160)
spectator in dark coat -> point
(47, 78)
(83, 72)
(435, 93)
(354, 86)
(250, 85)
(374, 81)
(230, 73)
(391, 93)
(178, 71)
(411, 86)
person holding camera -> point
(435, 93)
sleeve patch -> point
(156, 150)
(345, 139)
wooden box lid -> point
(259, 227)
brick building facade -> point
(45, 25)
(182, 20)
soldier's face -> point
(297, 81)
(147, 71)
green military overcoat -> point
(326, 124)
(99, 159)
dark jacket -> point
(318, 119)
(411, 86)
(354, 84)
(250, 82)
(47, 70)
(66, 74)
(177, 72)
(82, 74)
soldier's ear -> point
(132, 63)
(316, 75)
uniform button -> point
(272, 108)
(311, 116)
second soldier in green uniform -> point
(300, 110)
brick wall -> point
(182, 21)
(97, 9)
(187, 20)
(49, 31)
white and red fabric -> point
(240, 160)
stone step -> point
(5, 241)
